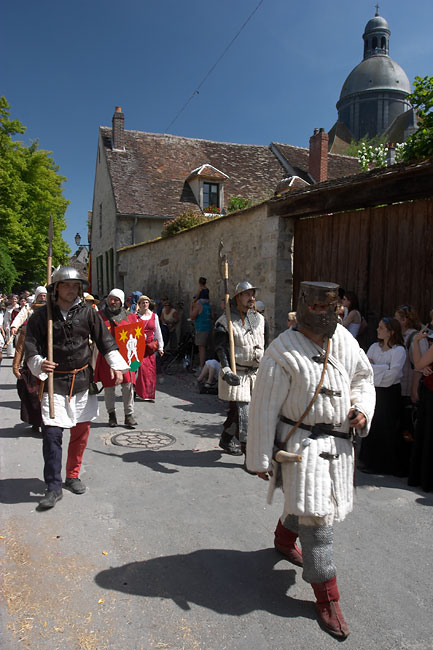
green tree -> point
(8, 272)
(30, 190)
(419, 146)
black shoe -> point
(50, 499)
(130, 421)
(230, 445)
(35, 428)
(75, 485)
(112, 420)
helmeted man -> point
(249, 344)
(74, 323)
(292, 410)
(113, 314)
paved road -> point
(172, 549)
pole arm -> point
(225, 277)
(50, 319)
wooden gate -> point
(384, 254)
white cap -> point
(39, 290)
(117, 293)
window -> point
(100, 219)
(211, 195)
(100, 274)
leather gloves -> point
(230, 377)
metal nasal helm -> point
(243, 286)
(64, 273)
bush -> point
(182, 222)
(238, 203)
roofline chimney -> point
(318, 158)
(118, 130)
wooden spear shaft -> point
(228, 316)
(50, 320)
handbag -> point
(153, 345)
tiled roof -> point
(149, 177)
(338, 165)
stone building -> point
(373, 99)
(143, 179)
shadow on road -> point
(21, 430)
(18, 490)
(157, 460)
(225, 581)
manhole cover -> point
(143, 439)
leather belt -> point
(318, 430)
(73, 373)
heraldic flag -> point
(131, 339)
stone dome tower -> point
(375, 93)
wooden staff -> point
(50, 319)
(225, 277)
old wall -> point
(258, 246)
(103, 219)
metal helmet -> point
(260, 306)
(242, 286)
(320, 322)
(64, 273)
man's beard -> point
(114, 310)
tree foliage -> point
(30, 190)
(419, 146)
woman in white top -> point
(352, 320)
(387, 357)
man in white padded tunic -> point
(318, 488)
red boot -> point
(284, 541)
(328, 608)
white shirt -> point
(387, 364)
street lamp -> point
(78, 239)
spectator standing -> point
(421, 463)
(200, 314)
(168, 321)
(352, 320)
(11, 312)
(387, 357)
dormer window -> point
(211, 195)
(207, 184)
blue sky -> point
(66, 65)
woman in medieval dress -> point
(145, 383)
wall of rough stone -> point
(259, 249)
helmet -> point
(319, 322)
(64, 273)
(243, 286)
(260, 306)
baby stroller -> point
(182, 357)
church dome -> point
(376, 73)
(375, 24)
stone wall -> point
(259, 249)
